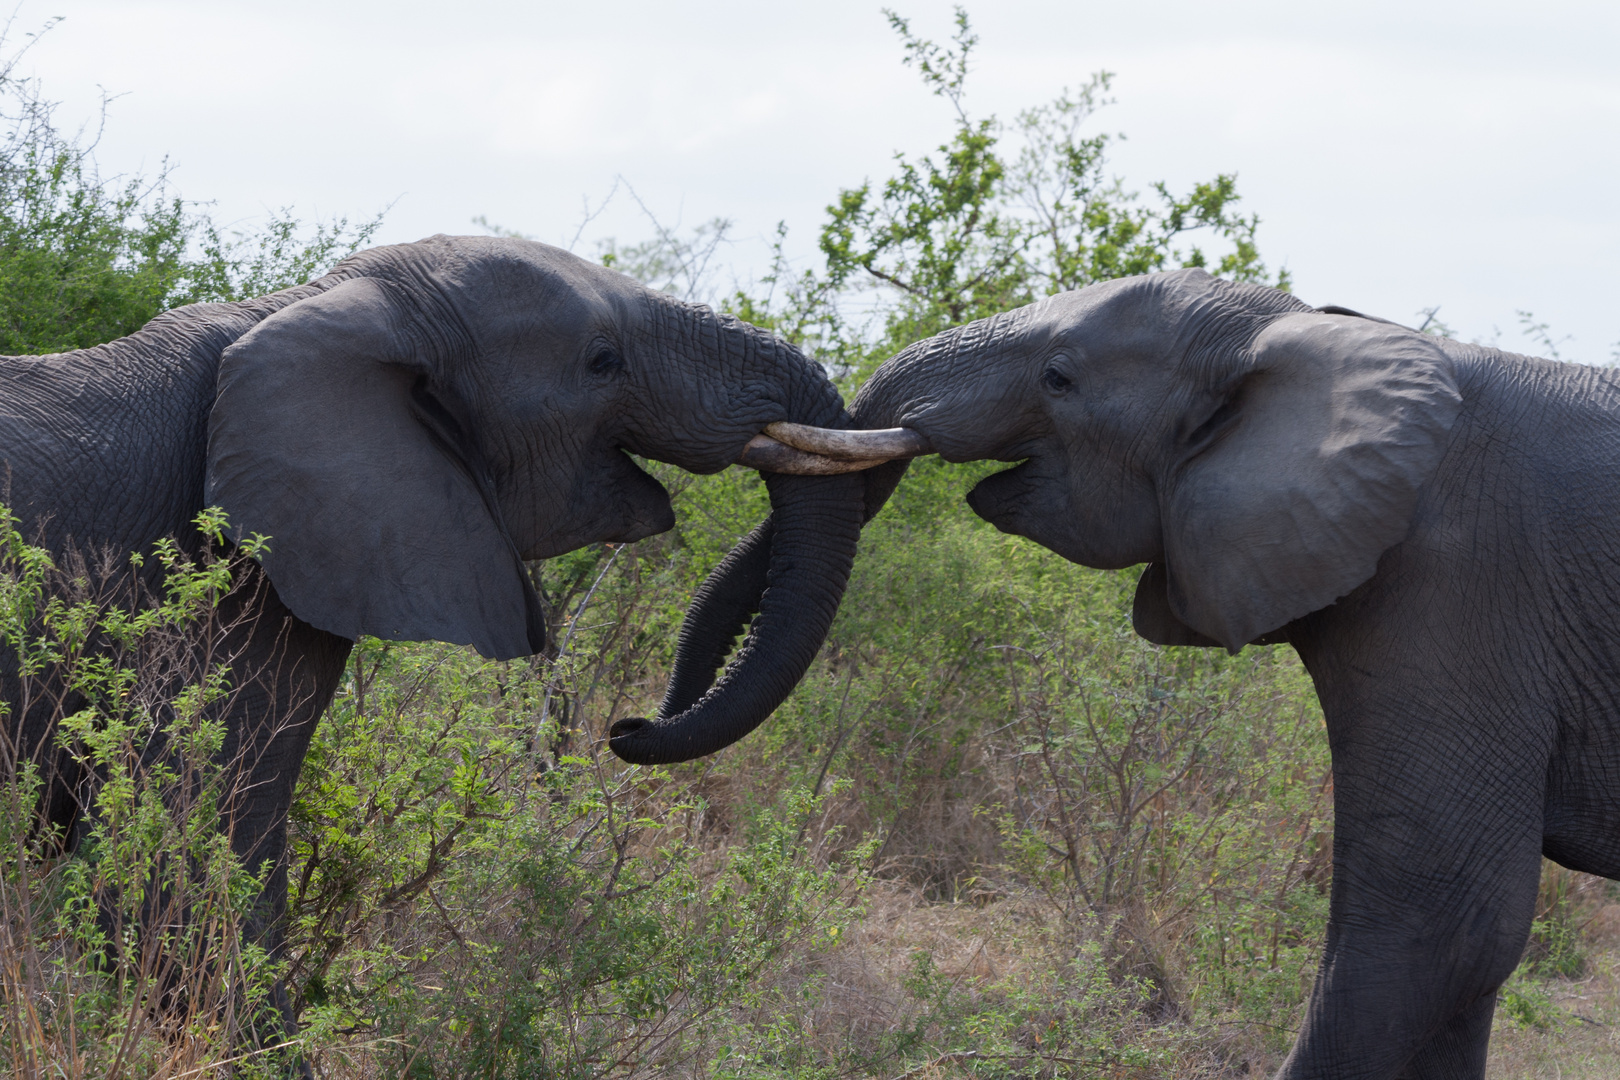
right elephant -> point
(1434, 526)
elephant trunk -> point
(793, 567)
(731, 594)
(720, 610)
(948, 392)
(885, 400)
(805, 550)
(791, 570)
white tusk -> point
(841, 445)
(768, 455)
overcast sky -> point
(1401, 154)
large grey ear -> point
(326, 438)
(1311, 473)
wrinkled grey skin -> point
(407, 431)
(1435, 527)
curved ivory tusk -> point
(842, 445)
(768, 455)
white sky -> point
(1401, 154)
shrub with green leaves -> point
(1001, 215)
(124, 953)
(468, 905)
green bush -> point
(125, 955)
(480, 917)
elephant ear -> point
(1306, 474)
(326, 437)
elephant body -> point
(1472, 696)
(407, 431)
(1433, 526)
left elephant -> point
(408, 430)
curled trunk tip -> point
(816, 524)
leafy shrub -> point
(1526, 1002)
(125, 954)
(489, 919)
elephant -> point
(1433, 526)
(408, 431)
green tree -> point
(85, 259)
(1000, 215)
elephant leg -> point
(1437, 857)
(1458, 1049)
(1407, 985)
(285, 672)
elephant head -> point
(430, 415)
(1258, 453)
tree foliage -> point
(86, 258)
(999, 216)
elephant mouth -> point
(802, 450)
(1023, 501)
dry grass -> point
(1586, 1047)
(993, 948)
(976, 948)
(1008, 953)
(1583, 1041)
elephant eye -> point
(606, 360)
(1056, 381)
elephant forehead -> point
(948, 363)
(504, 291)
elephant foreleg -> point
(1408, 985)
(1437, 858)
(284, 673)
(1458, 1049)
